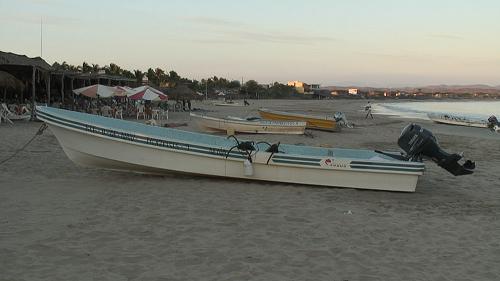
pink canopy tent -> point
(123, 91)
(147, 93)
(97, 90)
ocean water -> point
(419, 110)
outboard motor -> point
(341, 119)
(418, 142)
(493, 123)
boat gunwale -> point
(302, 115)
(234, 154)
(298, 124)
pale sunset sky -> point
(357, 42)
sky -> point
(330, 42)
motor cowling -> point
(493, 123)
(341, 119)
(418, 142)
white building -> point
(303, 88)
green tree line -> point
(160, 77)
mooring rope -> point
(39, 132)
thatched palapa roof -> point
(8, 81)
(15, 59)
(181, 92)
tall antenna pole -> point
(41, 37)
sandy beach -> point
(59, 221)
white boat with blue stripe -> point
(97, 141)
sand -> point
(59, 221)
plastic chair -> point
(156, 114)
(164, 114)
(106, 111)
(140, 110)
(4, 115)
(119, 113)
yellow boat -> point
(326, 123)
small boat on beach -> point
(116, 144)
(454, 119)
(228, 103)
(467, 121)
(326, 123)
(239, 125)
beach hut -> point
(41, 80)
(34, 72)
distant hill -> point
(457, 89)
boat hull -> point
(312, 122)
(104, 149)
(250, 127)
(103, 153)
(229, 104)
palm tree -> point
(56, 65)
(114, 69)
(64, 65)
(74, 68)
(160, 75)
(139, 75)
(151, 76)
(128, 74)
(86, 67)
(95, 68)
(174, 76)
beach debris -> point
(348, 212)
(151, 122)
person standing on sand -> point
(368, 109)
